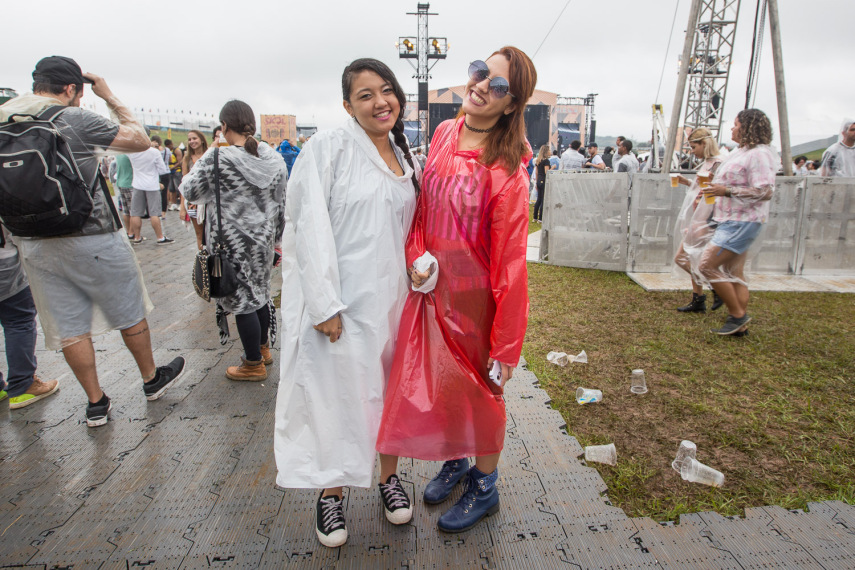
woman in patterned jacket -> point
(252, 195)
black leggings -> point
(538, 205)
(252, 329)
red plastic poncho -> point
(440, 403)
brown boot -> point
(38, 390)
(248, 371)
(266, 356)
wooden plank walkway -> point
(188, 481)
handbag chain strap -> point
(219, 243)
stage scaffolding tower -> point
(422, 49)
(709, 68)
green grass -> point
(532, 226)
(774, 411)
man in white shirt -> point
(572, 159)
(596, 161)
(626, 161)
(800, 166)
(839, 158)
(148, 168)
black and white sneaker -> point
(330, 521)
(164, 376)
(98, 414)
(396, 503)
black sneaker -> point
(396, 503)
(732, 325)
(98, 414)
(163, 377)
(165, 241)
(330, 521)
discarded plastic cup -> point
(588, 395)
(687, 449)
(694, 471)
(581, 358)
(601, 454)
(675, 180)
(639, 384)
(559, 358)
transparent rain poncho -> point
(76, 259)
(839, 159)
(440, 403)
(749, 173)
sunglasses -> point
(499, 86)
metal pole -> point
(780, 87)
(677, 108)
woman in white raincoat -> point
(351, 201)
(693, 223)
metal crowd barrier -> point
(603, 222)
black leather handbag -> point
(214, 275)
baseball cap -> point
(59, 70)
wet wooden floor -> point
(188, 481)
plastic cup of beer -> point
(588, 395)
(686, 450)
(601, 454)
(694, 471)
(675, 180)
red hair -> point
(507, 144)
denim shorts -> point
(736, 236)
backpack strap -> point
(110, 204)
(51, 113)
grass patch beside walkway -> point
(774, 411)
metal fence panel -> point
(828, 230)
(777, 250)
(654, 209)
(585, 220)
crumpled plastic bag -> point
(423, 264)
(563, 359)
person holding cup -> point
(693, 223)
(743, 187)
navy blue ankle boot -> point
(440, 487)
(480, 499)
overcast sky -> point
(287, 57)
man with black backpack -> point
(83, 274)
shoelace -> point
(446, 471)
(394, 494)
(331, 514)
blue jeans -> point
(18, 317)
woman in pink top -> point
(743, 187)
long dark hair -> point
(238, 116)
(507, 141)
(381, 69)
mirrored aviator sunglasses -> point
(499, 87)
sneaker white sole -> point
(100, 421)
(25, 403)
(399, 516)
(334, 539)
(159, 393)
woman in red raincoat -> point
(441, 402)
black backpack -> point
(42, 193)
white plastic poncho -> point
(693, 224)
(839, 159)
(348, 217)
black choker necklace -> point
(474, 130)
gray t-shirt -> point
(87, 133)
